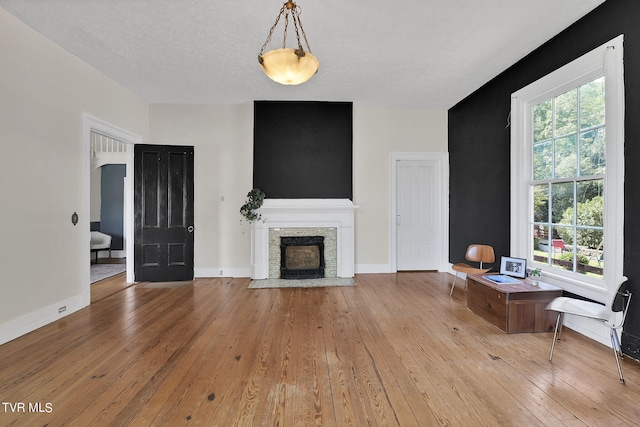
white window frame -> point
(607, 61)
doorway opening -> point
(116, 149)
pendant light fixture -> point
(285, 65)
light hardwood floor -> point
(109, 286)
(393, 350)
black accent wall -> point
(479, 144)
(303, 149)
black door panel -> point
(163, 213)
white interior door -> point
(417, 215)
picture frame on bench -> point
(516, 267)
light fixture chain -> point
(303, 33)
(272, 29)
(295, 25)
(286, 25)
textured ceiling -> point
(410, 54)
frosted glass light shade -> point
(285, 67)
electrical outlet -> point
(62, 309)
(220, 272)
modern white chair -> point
(611, 315)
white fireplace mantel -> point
(304, 213)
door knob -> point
(190, 229)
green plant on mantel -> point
(255, 198)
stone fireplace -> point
(331, 219)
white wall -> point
(222, 137)
(377, 133)
(44, 91)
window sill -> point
(588, 289)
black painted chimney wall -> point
(303, 149)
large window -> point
(567, 186)
(567, 173)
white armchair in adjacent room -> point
(100, 242)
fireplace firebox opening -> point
(302, 257)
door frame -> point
(441, 161)
(90, 123)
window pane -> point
(592, 160)
(542, 160)
(562, 203)
(542, 119)
(586, 190)
(541, 243)
(591, 252)
(592, 104)
(541, 203)
(590, 204)
(562, 247)
(566, 235)
(566, 113)
(566, 164)
(589, 238)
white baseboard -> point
(246, 272)
(222, 272)
(22, 325)
(589, 328)
(386, 268)
(372, 268)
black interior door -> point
(163, 209)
